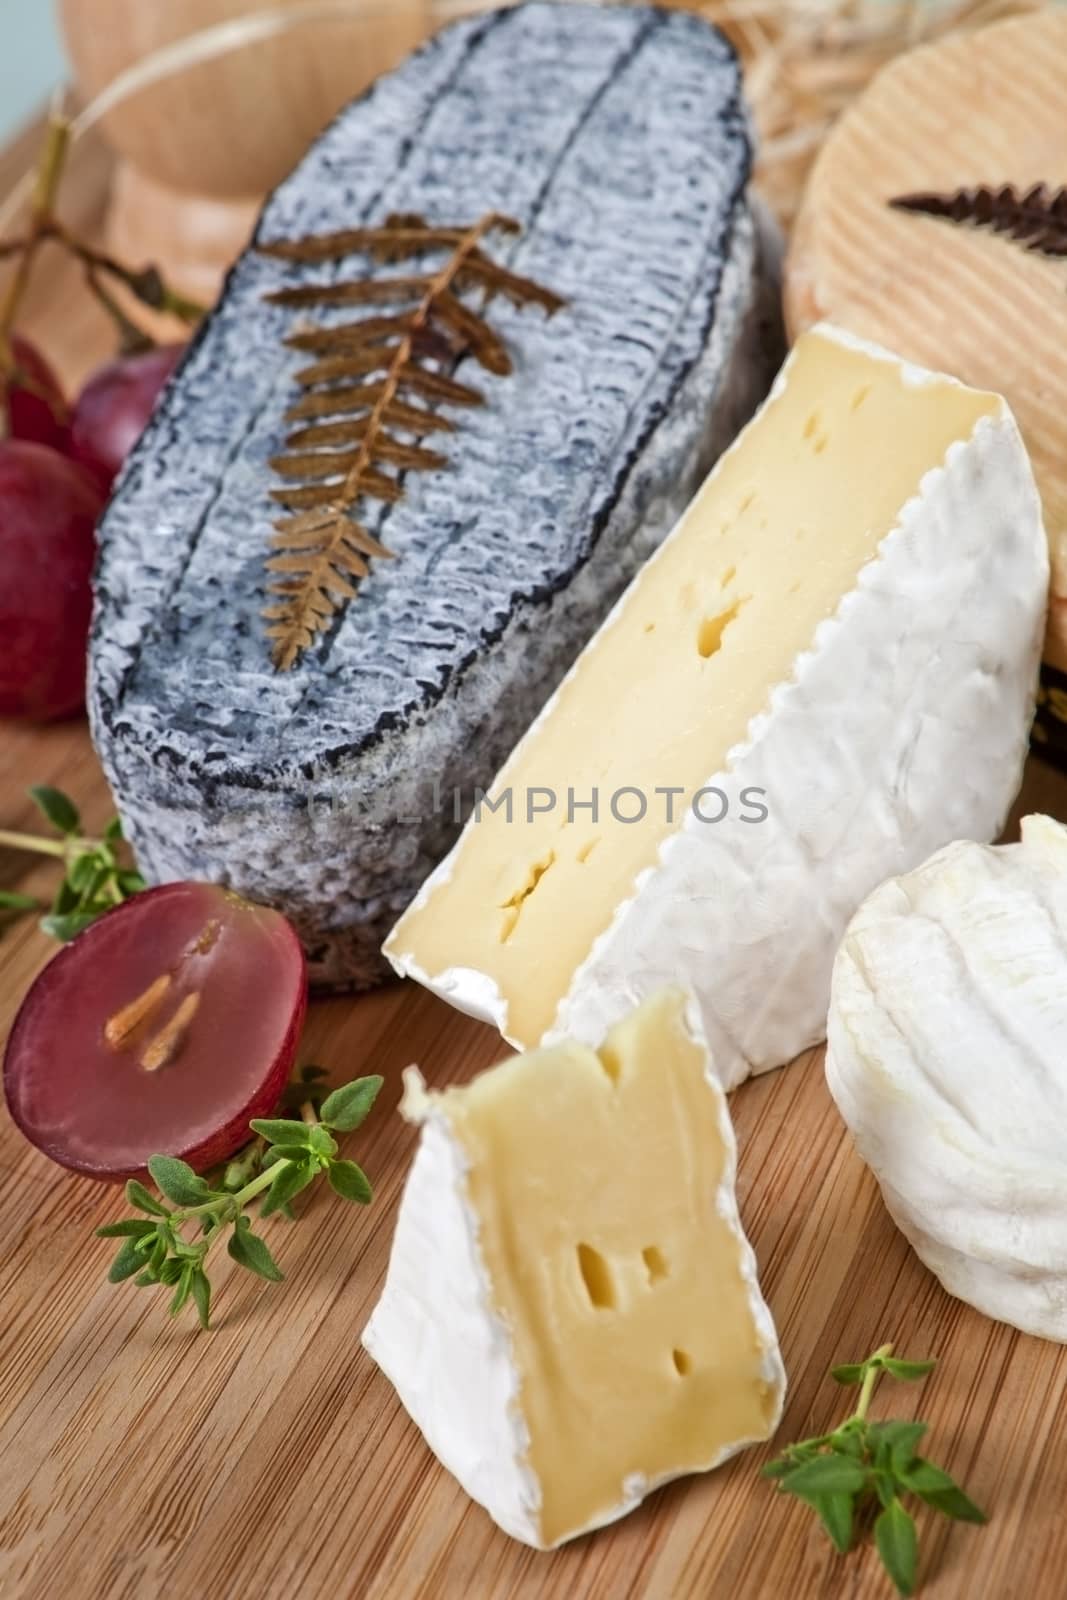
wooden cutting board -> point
(140, 1458)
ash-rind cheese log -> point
(617, 137)
(572, 1314)
(829, 672)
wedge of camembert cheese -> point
(825, 673)
(948, 1060)
(571, 1313)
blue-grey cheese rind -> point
(618, 138)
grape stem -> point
(146, 286)
(49, 172)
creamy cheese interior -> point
(775, 538)
(594, 1177)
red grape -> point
(48, 512)
(37, 409)
(112, 410)
(162, 1029)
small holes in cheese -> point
(815, 434)
(596, 1275)
(611, 1062)
(711, 630)
(655, 1263)
(513, 906)
(683, 1363)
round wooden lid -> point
(981, 108)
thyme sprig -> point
(94, 880)
(864, 1466)
(157, 1248)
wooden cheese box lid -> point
(981, 108)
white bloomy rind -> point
(448, 1353)
(947, 1057)
(904, 726)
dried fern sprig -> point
(351, 428)
(1036, 217)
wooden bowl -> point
(232, 127)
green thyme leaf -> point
(835, 1510)
(941, 1491)
(952, 1503)
(281, 1130)
(250, 1251)
(113, 832)
(85, 874)
(346, 1108)
(68, 926)
(128, 1261)
(898, 1545)
(59, 809)
(908, 1370)
(850, 1440)
(291, 1179)
(65, 899)
(829, 1474)
(177, 1180)
(298, 1153)
(901, 1439)
(850, 1373)
(350, 1182)
(322, 1141)
(131, 1229)
(142, 1200)
(201, 1287)
(184, 1289)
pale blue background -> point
(31, 60)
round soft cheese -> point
(947, 1056)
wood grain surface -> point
(960, 300)
(269, 1458)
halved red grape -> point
(113, 409)
(48, 512)
(163, 1029)
(37, 407)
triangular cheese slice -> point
(571, 1313)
